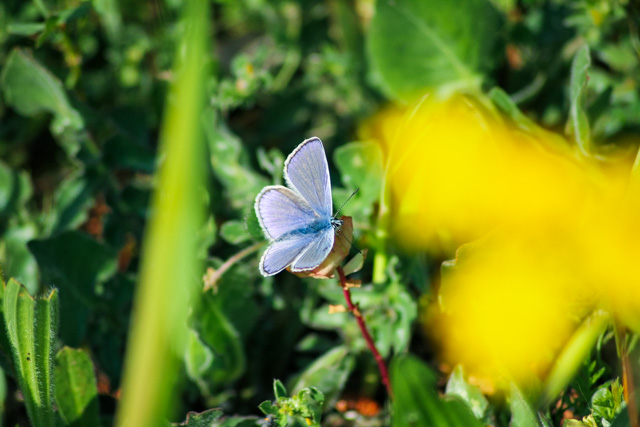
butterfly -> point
(297, 220)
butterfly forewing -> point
(281, 211)
(306, 170)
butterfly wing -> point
(281, 253)
(315, 252)
(306, 170)
(281, 210)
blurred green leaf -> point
(224, 343)
(229, 161)
(234, 232)
(201, 419)
(608, 401)
(416, 401)
(31, 89)
(75, 263)
(122, 152)
(75, 388)
(328, 373)
(18, 260)
(418, 45)
(253, 225)
(15, 190)
(578, 123)
(72, 201)
(198, 357)
(522, 414)
(457, 386)
(31, 327)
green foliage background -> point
(84, 86)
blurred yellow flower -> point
(557, 237)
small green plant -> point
(287, 411)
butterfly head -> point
(336, 223)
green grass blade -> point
(169, 266)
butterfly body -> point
(297, 219)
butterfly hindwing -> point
(306, 170)
(315, 252)
(280, 254)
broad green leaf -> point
(234, 232)
(75, 263)
(198, 357)
(31, 347)
(31, 89)
(457, 386)
(416, 401)
(329, 374)
(578, 124)
(224, 342)
(418, 45)
(522, 414)
(75, 388)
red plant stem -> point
(365, 333)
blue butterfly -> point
(297, 220)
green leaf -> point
(268, 408)
(578, 124)
(329, 374)
(570, 359)
(522, 414)
(416, 400)
(457, 386)
(418, 45)
(360, 166)
(15, 192)
(76, 390)
(201, 419)
(253, 225)
(230, 162)
(31, 347)
(622, 420)
(25, 28)
(31, 89)
(72, 201)
(279, 390)
(234, 232)
(224, 342)
(75, 263)
(198, 357)
(18, 260)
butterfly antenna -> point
(339, 231)
(345, 202)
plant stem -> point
(213, 279)
(365, 333)
(628, 385)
